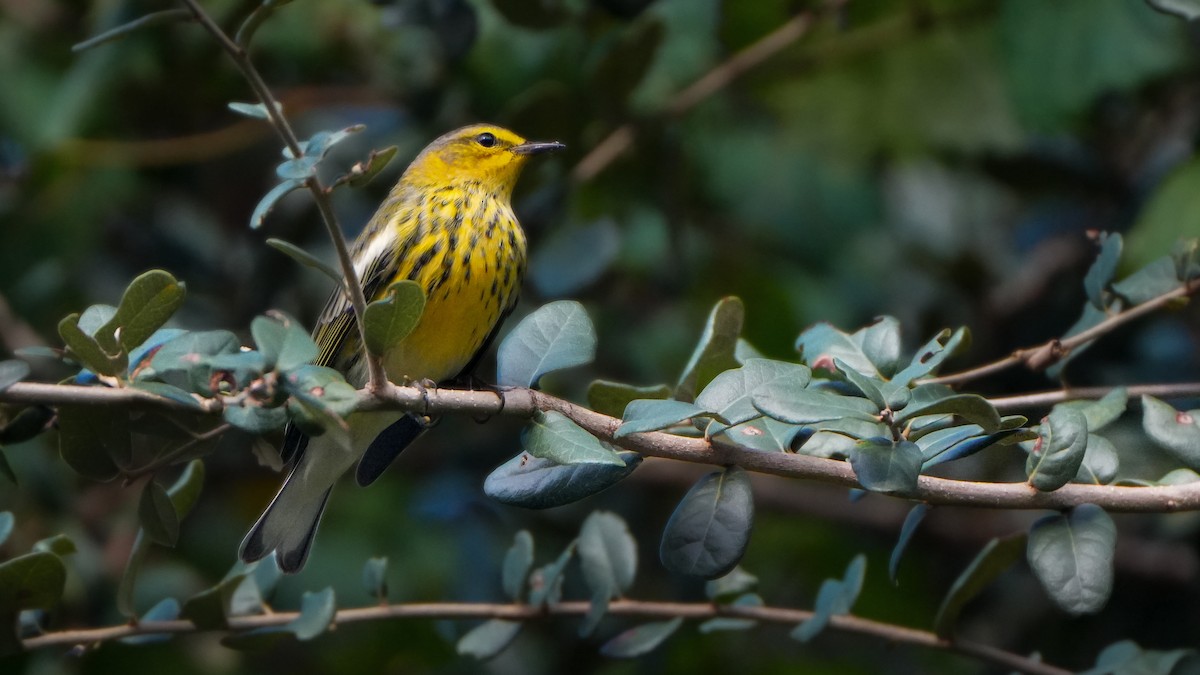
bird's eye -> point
(486, 140)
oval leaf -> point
(887, 466)
(1178, 432)
(994, 559)
(1072, 555)
(731, 394)
(12, 371)
(517, 563)
(1058, 452)
(553, 436)
(555, 336)
(611, 398)
(488, 638)
(32, 581)
(653, 414)
(708, 533)
(641, 639)
(607, 553)
(535, 483)
(714, 353)
(148, 302)
(374, 577)
(389, 320)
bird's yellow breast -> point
(463, 245)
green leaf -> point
(316, 613)
(1058, 452)
(1155, 279)
(931, 356)
(723, 623)
(185, 491)
(992, 561)
(319, 144)
(157, 515)
(611, 398)
(545, 584)
(60, 545)
(1100, 462)
(86, 350)
(731, 393)
(890, 467)
(1103, 412)
(810, 406)
(282, 341)
(12, 372)
(1101, 273)
(1127, 658)
(166, 609)
(374, 578)
(256, 111)
(6, 525)
(488, 638)
(255, 419)
(1176, 431)
(734, 584)
(133, 567)
(362, 173)
(1184, 9)
(553, 436)
(653, 414)
(641, 639)
(915, 515)
(535, 483)
(517, 563)
(268, 201)
(31, 581)
(867, 385)
(305, 258)
(93, 440)
(835, 596)
(709, 531)
(607, 554)
(391, 318)
(714, 354)
(1072, 556)
(149, 301)
(184, 361)
(970, 407)
(820, 344)
(151, 19)
(555, 336)
(322, 388)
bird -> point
(448, 224)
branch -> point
(376, 376)
(621, 138)
(1052, 351)
(521, 402)
(845, 623)
(1046, 399)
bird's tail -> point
(387, 445)
(289, 523)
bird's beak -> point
(537, 147)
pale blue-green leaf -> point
(6, 525)
(641, 639)
(1178, 432)
(1100, 462)
(1089, 318)
(535, 483)
(316, 613)
(1058, 453)
(305, 258)
(255, 419)
(869, 386)
(1102, 271)
(882, 465)
(374, 577)
(282, 341)
(545, 584)
(820, 344)
(1103, 412)
(709, 531)
(714, 353)
(880, 343)
(488, 638)
(166, 609)
(723, 623)
(996, 557)
(553, 436)
(607, 553)
(517, 563)
(1072, 556)
(1155, 279)
(835, 596)
(268, 201)
(555, 336)
(391, 318)
(915, 515)
(731, 393)
(255, 110)
(931, 356)
(809, 406)
(611, 398)
(970, 407)
(737, 582)
(653, 414)
(12, 372)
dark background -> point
(941, 161)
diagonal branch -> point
(846, 623)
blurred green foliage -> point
(936, 160)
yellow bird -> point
(448, 224)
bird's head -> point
(483, 154)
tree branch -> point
(845, 623)
(521, 402)
(1046, 399)
(1052, 351)
(376, 376)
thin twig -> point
(376, 376)
(1052, 351)
(1045, 399)
(621, 138)
(845, 623)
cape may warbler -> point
(448, 225)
